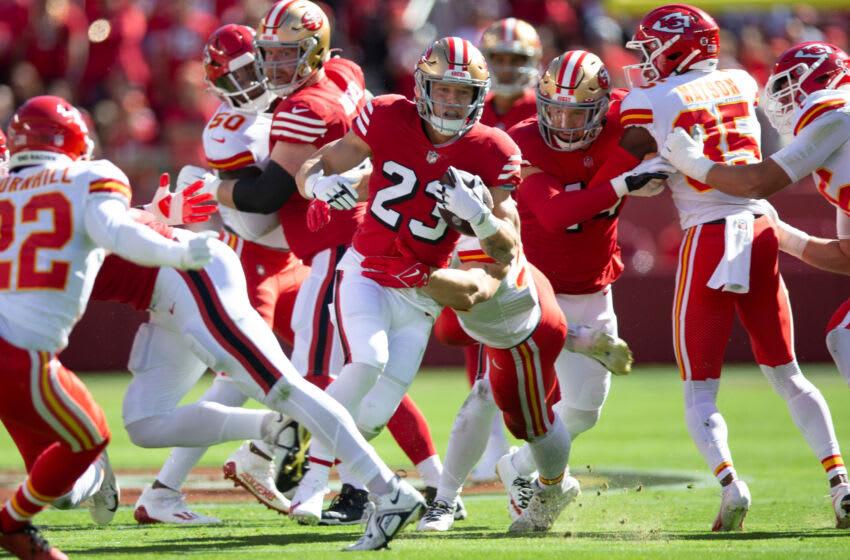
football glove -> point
(650, 173)
(402, 271)
(686, 154)
(468, 198)
(336, 190)
(318, 214)
(197, 251)
(189, 174)
(184, 207)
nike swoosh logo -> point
(219, 140)
(394, 500)
(296, 110)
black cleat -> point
(347, 508)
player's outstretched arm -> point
(110, 226)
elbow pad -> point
(267, 192)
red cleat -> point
(27, 543)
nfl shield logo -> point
(431, 157)
(588, 161)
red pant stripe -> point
(680, 304)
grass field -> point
(646, 490)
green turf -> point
(641, 436)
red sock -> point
(53, 474)
(410, 430)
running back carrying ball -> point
(457, 178)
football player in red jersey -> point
(384, 330)
(319, 98)
(729, 253)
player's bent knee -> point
(148, 432)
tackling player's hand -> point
(190, 174)
(403, 271)
(791, 240)
(649, 174)
(197, 251)
(336, 190)
(686, 154)
(185, 207)
(318, 215)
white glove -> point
(649, 173)
(610, 351)
(686, 154)
(469, 199)
(197, 251)
(192, 173)
(336, 190)
(791, 240)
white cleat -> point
(307, 501)
(164, 505)
(840, 495)
(440, 516)
(249, 468)
(388, 514)
(516, 485)
(610, 351)
(546, 505)
(733, 507)
(104, 503)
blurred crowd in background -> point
(135, 65)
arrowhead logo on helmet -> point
(675, 22)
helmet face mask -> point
(291, 44)
(46, 127)
(230, 70)
(800, 71)
(512, 49)
(452, 81)
(572, 100)
(673, 39)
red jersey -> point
(318, 114)
(125, 282)
(523, 108)
(584, 257)
(407, 172)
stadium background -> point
(135, 67)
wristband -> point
(792, 240)
(485, 225)
(310, 183)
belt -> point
(721, 221)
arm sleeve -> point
(265, 193)
(108, 223)
(557, 210)
(814, 144)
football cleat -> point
(347, 508)
(430, 495)
(253, 470)
(610, 351)
(291, 444)
(546, 505)
(388, 514)
(440, 516)
(517, 486)
(840, 495)
(27, 543)
(104, 503)
(164, 505)
(733, 507)
(307, 502)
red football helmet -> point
(673, 39)
(4, 154)
(230, 70)
(47, 125)
(799, 71)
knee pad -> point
(147, 431)
(380, 404)
(787, 380)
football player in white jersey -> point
(60, 215)
(728, 256)
(236, 144)
(807, 93)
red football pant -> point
(703, 317)
(55, 423)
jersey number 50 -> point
(29, 278)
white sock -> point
(468, 438)
(807, 406)
(707, 426)
(838, 343)
(430, 469)
(551, 451)
(523, 461)
(84, 488)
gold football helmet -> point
(451, 60)
(292, 41)
(572, 100)
(516, 37)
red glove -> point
(181, 208)
(318, 215)
(404, 271)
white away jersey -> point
(721, 106)
(233, 139)
(512, 314)
(48, 262)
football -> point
(461, 226)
